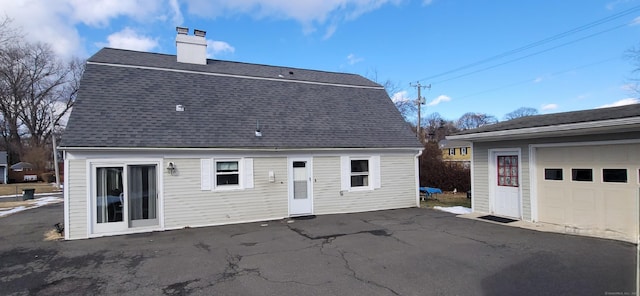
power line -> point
(530, 55)
(540, 42)
(530, 80)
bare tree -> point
(406, 107)
(633, 55)
(34, 85)
(521, 112)
(474, 120)
(437, 128)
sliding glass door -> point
(142, 195)
(125, 196)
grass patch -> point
(447, 199)
(11, 189)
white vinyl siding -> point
(186, 205)
(481, 176)
(373, 178)
(397, 186)
(77, 182)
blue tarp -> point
(430, 190)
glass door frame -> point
(126, 226)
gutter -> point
(275, 149)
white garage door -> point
(591, 189)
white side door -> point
(506, 184)
(300, 186)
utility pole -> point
(55, 150)
(419, 101)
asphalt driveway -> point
(398, 252)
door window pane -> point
(142, 192)
(508, 170)
(583, 175)
(614, 175)
(109, 195)
(300, 184)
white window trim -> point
(373, 173)
(208, 174)
(215, 174)
(452, 151)
(369, 185)
(463, 151)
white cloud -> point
(54, 21)
(612, 5)
(439, 99)
(426, 2)
(401, 96)
(549, 107)
(129, 39)
(353, 59)
(635, 21)
(177, 14)
(100, 12)
(217, 47)
(309, 13)
(629, 87)
(538, 80)
(628, 101)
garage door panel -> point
(596, 206)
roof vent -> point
(179, 108)
(258, 132)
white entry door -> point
(300, 187)
(506, 184)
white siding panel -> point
(397, 187)
(481, 177)
(186, 205)
(77, 183)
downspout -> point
(638, 245)
(418, 177)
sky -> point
(482, 56)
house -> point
(577, 172)
(456, 152)
(158, 142)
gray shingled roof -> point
(136, 107)
(559, 119)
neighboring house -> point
(578, 171)
(456, 152)
(21, 167)
(159, 142)
(4, 170)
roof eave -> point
(593, 127)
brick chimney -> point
(191, 49)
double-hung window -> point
(452, 151)
(359, 173)
(227, 173)
(463, 151)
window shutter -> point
(248, 173)
(375, 171)
(206, 174)
(345, 173)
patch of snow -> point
(11, 211)
(43, 201)
(454, 210)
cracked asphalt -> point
(397, 252)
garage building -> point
(576, 171)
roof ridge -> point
(244, 63)
(234, 75)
